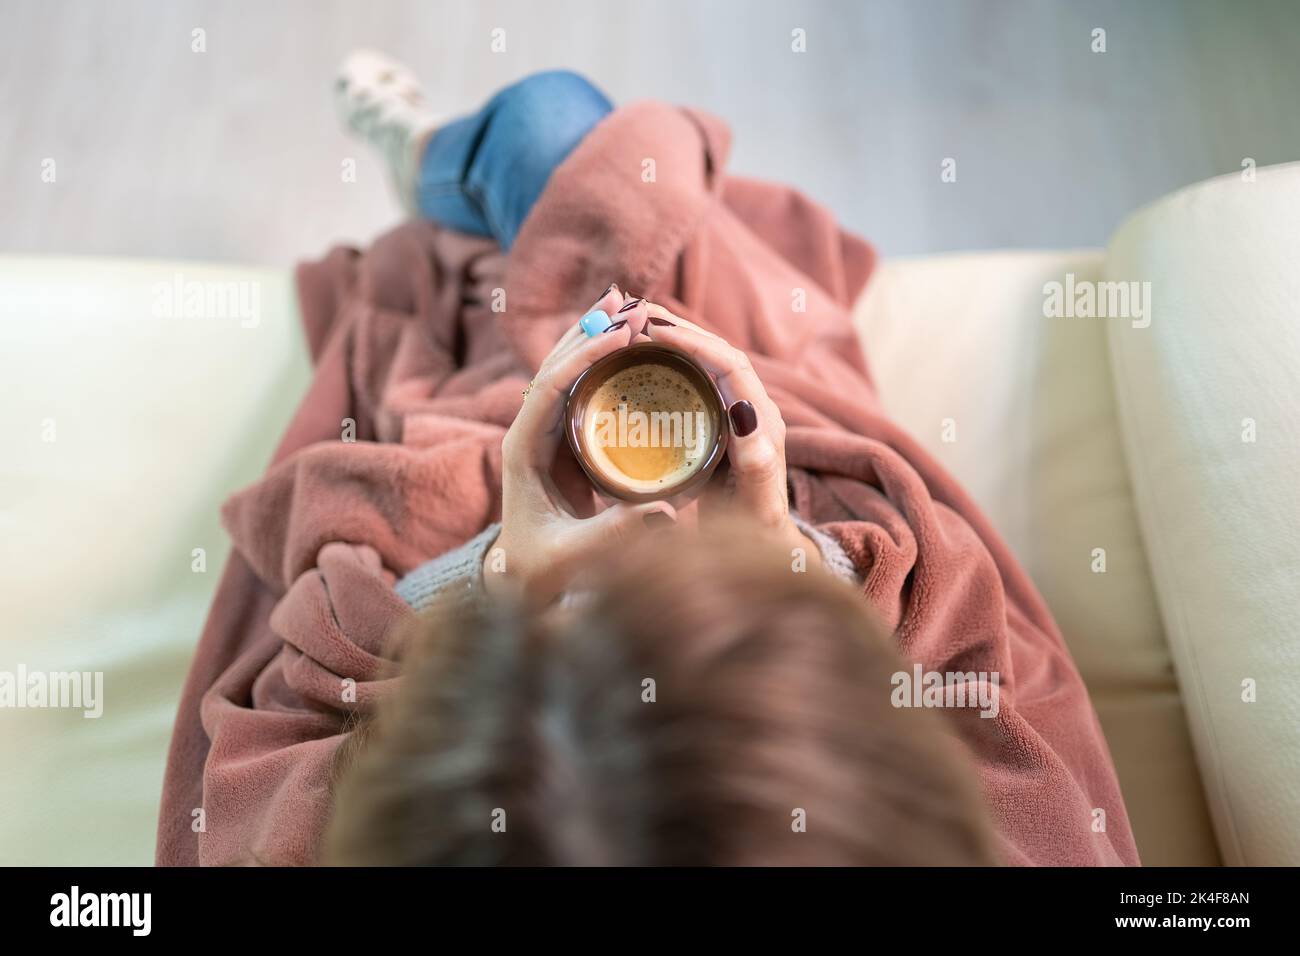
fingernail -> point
(629, 306)
(656, 320)
(612, 287)
(658, 519)
(616, 326)
(594, 322)
(743, 418)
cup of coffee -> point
(647, 423)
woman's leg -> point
(482, 174)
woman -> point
(448, 487)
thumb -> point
(617, 525)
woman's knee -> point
(557, 108)
(559, 87)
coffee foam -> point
(677, 427)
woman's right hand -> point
(542, 542)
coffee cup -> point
(647, 423)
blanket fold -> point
(423, 344)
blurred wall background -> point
(235, 154)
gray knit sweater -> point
(459, 573)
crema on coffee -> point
(647, 427)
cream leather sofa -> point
(1171, 441)
(1084, 439)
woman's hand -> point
(542, 543)
(757, 482)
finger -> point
(621, 525)
(736, 377)
(757, 457)
(634, 311)
(539, 427)
(609, 302)
(661, 317)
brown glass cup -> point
(648, 353)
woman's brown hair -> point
(710, 705)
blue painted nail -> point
(595, 322)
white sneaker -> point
(382, 101)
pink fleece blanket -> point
(407, 344)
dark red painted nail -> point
(658, 519)
(611, 288)
(629, 306)
(656, 320)
(743, 418)
(617, 325)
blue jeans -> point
(482, 174)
